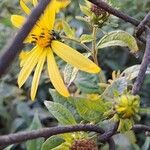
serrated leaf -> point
(87, 83)
(62, 114)
(146, 144)
(118, 38)
(85, 10)
(90, 110)
(52, 142)
(132, 72)
(35, 144)
(67, 29)
(85, 38)
(119, 85)
(66, 102)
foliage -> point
(95, 98)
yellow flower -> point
(93, 97)
(127, 105)
(42, 36)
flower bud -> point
(127, 105)
(84, 144)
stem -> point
(144, 65)
(76, 41)
(48, 132)
(94, 48)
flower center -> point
(43, 39)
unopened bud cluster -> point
(98, 11)
(127, 105)
(85, 144)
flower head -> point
(127, 105)
(45, 45)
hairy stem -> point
(94, 48)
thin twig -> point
(144, 65)
(110, 133)
(47, 132)
(17, 44)
(140, 127)
(141, 27)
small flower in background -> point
(126, 109)
(43, 37)
(93, 97)
(127, 105)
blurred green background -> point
(16, 109)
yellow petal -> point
(120, 109)
(124, 100)
(25, 7)
(37, 74)
(23, 56)
(17, 20)
(55, 76)
(74, 58)
(48, 18)
(29, 66)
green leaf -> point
(146, 145)
(70, 74)
(9, 147)
(62, 114)
(85, 38)
(132, 72)
(125, 125)
(67, 29)
(35, 144)
(87, 83)
(66, 102)
(85, 10)
(63, 146)
(119, 86)
(145, 111)
(118, 38)
(52, 142)
(82, 19)
(131, 136)
(90, 110)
